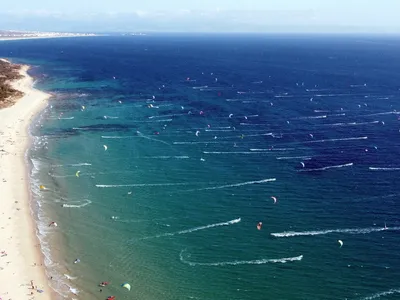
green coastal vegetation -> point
(8, 73)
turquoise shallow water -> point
(201, 132)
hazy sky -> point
(203, 15)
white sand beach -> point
(21, 261)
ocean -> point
(160, 154)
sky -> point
(270, 16)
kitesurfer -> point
(259, 225)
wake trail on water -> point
(163, 116)
(349, 124)
(231, 222)
(193, 143)
(326, 168)
(241, 262)
(155, 121)
(295, 157)
(248, 135)
(382, 113)
(383, 169)
(234, 152)
(378, 295)
(250, 124)
(151, 139)
(367, 230)
(167, 157)
(85, 203)
(272, 149)
(310, 117)
(69, 118)
(233, 185)
(72, 165)
(336, 140)
(117, 137)
(146, 184)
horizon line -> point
(149, 31)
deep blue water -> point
(201, 131)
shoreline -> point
(43, 37)
(22, 260)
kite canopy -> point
(126, 285)
(340, 243)
(77, 173)
(42, 187)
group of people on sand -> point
(33, 288)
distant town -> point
(11, 34)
